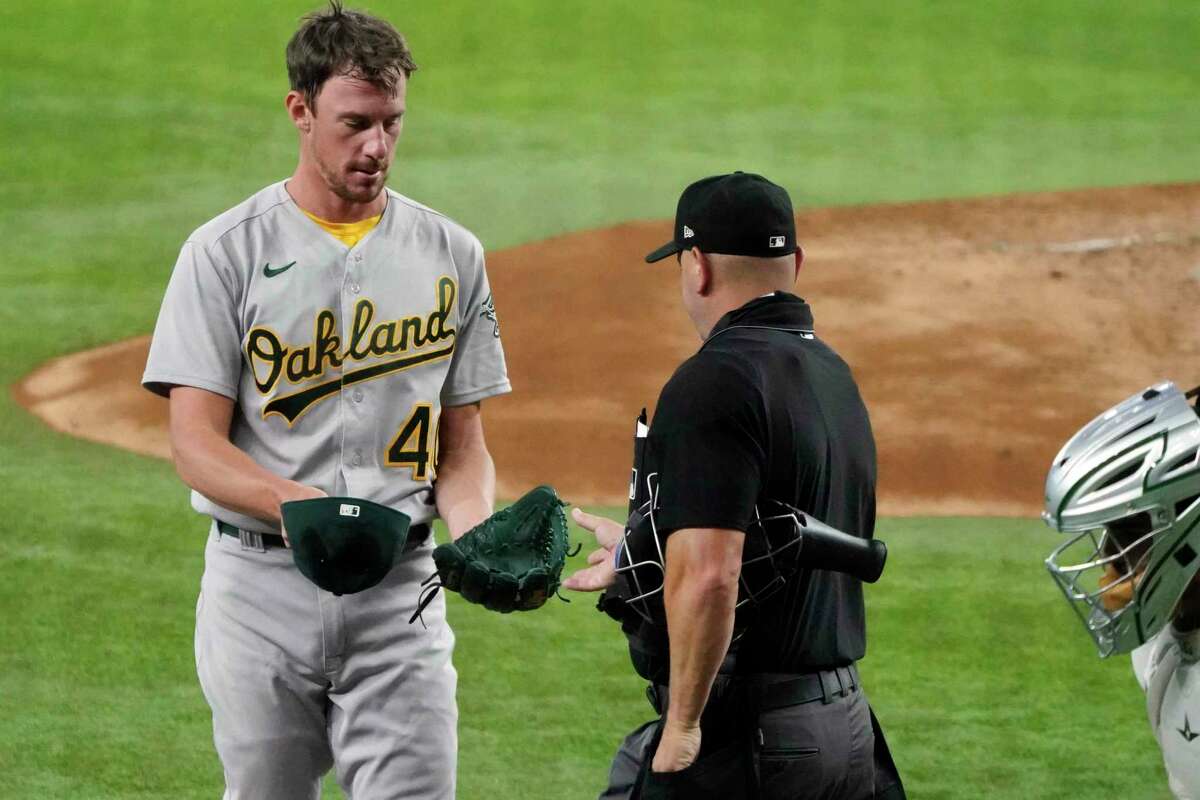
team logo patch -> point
(777, 241)
(347, 510)
(487, 310)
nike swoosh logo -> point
(271, 273)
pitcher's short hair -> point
(337, 41)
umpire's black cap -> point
(740, 214)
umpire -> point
(766, 704)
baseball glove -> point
(512, 561)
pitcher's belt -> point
(417, 535)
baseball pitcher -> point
(329, 336)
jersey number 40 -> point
(414, 446)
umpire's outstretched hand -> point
(602, 572)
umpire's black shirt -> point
(764, 413)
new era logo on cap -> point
(348, 510)
(688, 233)
(778, 241)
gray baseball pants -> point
(300, 680)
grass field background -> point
(124, 127)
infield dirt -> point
(983, 332)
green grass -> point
(982, 676)
(125, 126)
(985, 679)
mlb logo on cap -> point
(739, 214)
(348, 510)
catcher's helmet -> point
(1126, 488)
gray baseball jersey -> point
(339, 359)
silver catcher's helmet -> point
(1126, 491)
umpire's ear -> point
(702, 276)
(799, 260)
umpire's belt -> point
(417, 535)
(768, 691)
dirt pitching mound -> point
(982, 332)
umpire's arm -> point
(700, 594)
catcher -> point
(1126, 491)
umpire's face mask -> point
(769, 559)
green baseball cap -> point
(344, 544)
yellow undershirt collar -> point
(349, 233)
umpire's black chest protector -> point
(765, 410)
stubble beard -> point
(336, 182)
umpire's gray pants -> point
(300, 680)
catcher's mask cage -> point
(769, 556)
(1126, 488)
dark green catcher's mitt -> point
(512, 561)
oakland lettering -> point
(270, 359)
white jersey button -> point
(355, 288)
(358, 395)
(358, 256)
